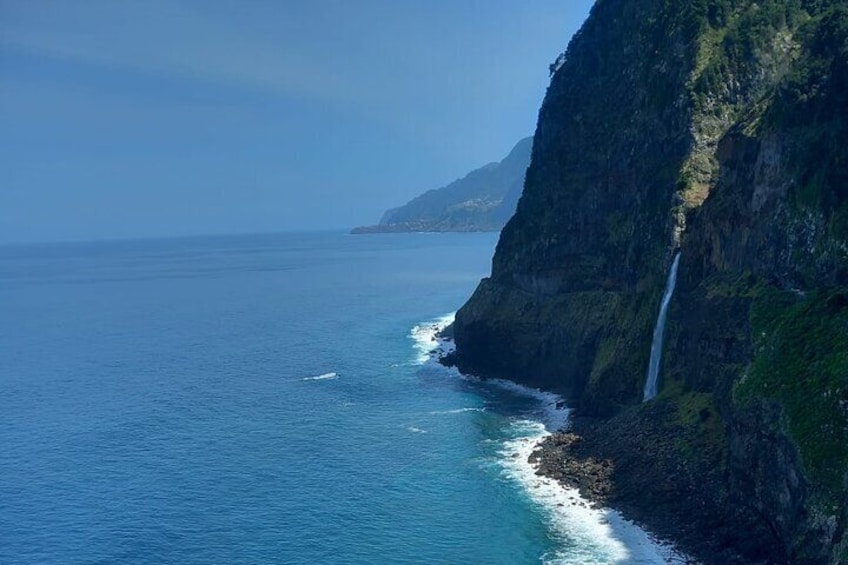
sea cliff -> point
(717, 129)
(482, 200)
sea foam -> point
(427, 342)
(589, 535)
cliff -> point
(483, 200)
(718, 128)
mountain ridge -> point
(482, 200)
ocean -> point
(269, 399)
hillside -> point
(717, 129)
(483, 200)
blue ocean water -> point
(268, 399)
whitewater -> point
(587, 535)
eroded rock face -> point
(763, 461)
(717, 128)
(592, 226)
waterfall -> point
(659, 331)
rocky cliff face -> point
(483, 200)
(718, 128)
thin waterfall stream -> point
(659, 332)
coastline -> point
(612, 464)
(608, 464)
(574, 512)
(565, 456)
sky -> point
(151, 118)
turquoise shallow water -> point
(159, 404)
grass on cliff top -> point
(801, 361)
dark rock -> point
(655, 136)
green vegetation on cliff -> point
(720, 128)
(814, 101)
(801, 361)
(801, 337)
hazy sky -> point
(124, 118)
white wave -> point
(324, 377)
(415, 430)
(456, 411)
(427, 342)
(554, 413)
(596, 536)
(591, 535)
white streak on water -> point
(659, 333)
(456, 411)
(324, 377)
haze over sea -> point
(268, 399)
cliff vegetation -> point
(719, 129)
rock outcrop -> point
(483, 200)
(717, 128)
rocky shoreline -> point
(555, 457)
(631, 463)
(605, 471)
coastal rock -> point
(718, 129)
